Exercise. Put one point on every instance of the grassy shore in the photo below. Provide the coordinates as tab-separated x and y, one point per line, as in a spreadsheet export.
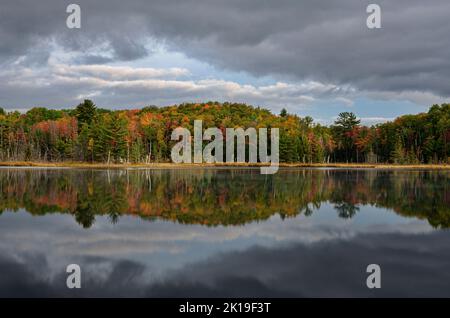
239	165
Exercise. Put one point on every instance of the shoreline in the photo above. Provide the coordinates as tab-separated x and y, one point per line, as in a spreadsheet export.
217	165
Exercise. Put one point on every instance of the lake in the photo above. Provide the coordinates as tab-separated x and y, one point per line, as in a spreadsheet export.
224	232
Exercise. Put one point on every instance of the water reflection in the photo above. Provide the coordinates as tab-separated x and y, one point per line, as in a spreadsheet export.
224	232
223	197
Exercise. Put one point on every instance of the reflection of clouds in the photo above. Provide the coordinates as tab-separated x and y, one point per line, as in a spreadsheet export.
166	244
132	235
411	264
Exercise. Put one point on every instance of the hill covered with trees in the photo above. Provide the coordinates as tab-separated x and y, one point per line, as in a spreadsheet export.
90	134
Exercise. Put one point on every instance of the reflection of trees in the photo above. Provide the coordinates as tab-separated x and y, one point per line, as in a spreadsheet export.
346	210
84	214
223	197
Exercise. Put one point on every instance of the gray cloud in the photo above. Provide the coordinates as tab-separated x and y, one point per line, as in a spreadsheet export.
325	41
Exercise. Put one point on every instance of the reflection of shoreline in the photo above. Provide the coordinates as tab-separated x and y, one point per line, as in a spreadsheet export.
214	165
226	196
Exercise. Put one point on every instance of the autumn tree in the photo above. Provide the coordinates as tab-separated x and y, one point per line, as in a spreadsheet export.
88	133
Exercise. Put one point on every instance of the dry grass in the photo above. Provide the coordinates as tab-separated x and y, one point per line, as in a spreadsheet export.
173	165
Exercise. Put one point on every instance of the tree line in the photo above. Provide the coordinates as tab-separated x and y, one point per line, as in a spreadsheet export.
91	134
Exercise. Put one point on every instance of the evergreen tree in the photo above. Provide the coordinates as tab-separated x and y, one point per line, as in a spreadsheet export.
85	112
343	129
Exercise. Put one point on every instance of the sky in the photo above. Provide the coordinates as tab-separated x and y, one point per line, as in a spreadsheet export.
315	58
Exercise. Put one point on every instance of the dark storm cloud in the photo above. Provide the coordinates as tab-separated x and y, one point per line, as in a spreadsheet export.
411	265
322	40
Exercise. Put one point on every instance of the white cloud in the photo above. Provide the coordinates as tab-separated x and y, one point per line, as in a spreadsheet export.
375	120
63	85
117	72
114	86
364	120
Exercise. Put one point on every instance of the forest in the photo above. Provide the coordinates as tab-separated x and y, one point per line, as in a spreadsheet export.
87	133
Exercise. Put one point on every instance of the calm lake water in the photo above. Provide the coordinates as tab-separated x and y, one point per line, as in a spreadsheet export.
224	232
